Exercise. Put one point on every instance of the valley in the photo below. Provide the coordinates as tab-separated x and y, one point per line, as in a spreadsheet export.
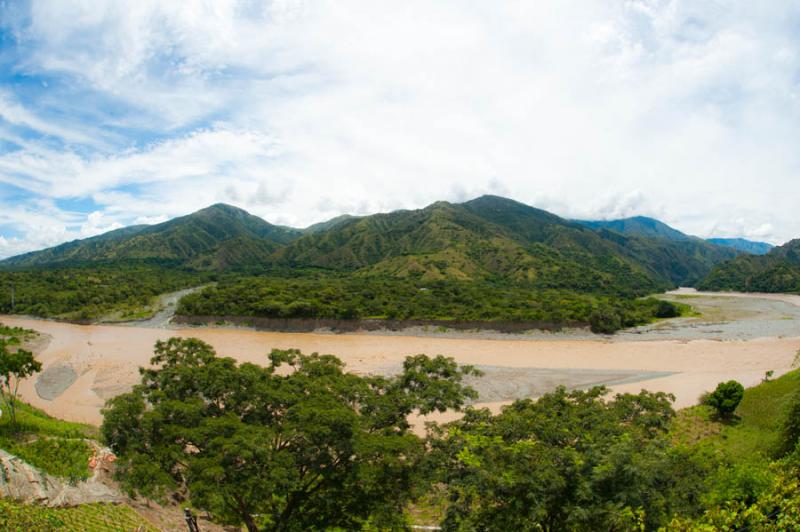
736	337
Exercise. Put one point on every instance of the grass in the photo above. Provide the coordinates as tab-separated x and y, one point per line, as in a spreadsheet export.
753	436
83	518
56	447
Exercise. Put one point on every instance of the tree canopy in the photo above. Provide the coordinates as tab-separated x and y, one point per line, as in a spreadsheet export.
298	444
568	461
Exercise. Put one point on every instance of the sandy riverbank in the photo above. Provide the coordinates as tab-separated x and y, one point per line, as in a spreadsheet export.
100	361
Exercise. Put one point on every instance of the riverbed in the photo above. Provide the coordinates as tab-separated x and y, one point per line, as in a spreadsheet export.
734	337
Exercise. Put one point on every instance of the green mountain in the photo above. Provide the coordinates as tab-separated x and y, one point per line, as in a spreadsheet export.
484	239
777	271
745	246
216	237
493	237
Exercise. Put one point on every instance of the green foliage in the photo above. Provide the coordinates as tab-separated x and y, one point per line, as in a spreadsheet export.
777	271
775	508
19	517
296	445
56	447
65	458
490	259
92	291
349	297
725	398
15	365
790	435
568	461
98	517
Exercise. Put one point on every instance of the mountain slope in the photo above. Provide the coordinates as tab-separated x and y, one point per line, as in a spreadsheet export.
493	237
683	258
639	226
216	236
488	238
745	246
777	271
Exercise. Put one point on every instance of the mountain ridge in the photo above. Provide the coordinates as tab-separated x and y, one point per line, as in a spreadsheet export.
484	238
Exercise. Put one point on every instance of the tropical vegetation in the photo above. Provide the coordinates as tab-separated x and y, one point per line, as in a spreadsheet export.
489	259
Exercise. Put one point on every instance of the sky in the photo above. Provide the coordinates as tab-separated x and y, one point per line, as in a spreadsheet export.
115	113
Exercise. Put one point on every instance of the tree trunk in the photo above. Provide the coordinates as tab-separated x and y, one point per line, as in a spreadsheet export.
249	523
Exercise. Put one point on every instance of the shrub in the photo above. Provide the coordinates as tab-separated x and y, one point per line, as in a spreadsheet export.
667	309
791	427
605	320
726	398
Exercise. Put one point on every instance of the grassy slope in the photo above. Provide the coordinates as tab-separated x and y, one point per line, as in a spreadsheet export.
56	447
753	436
84	518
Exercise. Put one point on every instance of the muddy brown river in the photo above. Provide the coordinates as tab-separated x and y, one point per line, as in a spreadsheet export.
86	365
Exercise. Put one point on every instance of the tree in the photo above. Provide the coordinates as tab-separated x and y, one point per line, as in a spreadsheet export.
297	445
605	320
726	398
14	367
568	461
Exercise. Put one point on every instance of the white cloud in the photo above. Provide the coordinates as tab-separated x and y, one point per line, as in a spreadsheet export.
295	110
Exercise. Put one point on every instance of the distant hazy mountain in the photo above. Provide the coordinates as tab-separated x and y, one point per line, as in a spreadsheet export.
640	226
328	224
746	246
777	271
486	238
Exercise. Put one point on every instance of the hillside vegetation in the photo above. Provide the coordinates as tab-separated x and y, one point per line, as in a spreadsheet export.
777	271
571	460
489	259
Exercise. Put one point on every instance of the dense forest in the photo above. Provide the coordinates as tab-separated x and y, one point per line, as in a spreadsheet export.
335	451
90	292
350	297
777	271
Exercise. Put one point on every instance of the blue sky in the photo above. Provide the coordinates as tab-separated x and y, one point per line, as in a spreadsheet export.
114	113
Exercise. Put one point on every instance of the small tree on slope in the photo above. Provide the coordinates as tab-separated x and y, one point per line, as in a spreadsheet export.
726	398
13	368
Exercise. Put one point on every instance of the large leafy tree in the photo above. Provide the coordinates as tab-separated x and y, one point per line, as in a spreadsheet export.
298	444
568	461
14	367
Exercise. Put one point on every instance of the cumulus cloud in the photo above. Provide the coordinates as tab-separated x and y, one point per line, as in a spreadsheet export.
301	110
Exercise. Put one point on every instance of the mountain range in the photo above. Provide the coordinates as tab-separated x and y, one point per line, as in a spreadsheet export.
485	238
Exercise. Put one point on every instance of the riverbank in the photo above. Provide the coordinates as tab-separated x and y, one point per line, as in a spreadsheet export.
100	361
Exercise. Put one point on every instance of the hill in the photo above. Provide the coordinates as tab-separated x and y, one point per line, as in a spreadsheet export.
777	271
216	237
492	237
493	259
488	237
745	246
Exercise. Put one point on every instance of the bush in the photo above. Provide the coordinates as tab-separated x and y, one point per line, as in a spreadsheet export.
667	309
791	427
726	398
605	320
